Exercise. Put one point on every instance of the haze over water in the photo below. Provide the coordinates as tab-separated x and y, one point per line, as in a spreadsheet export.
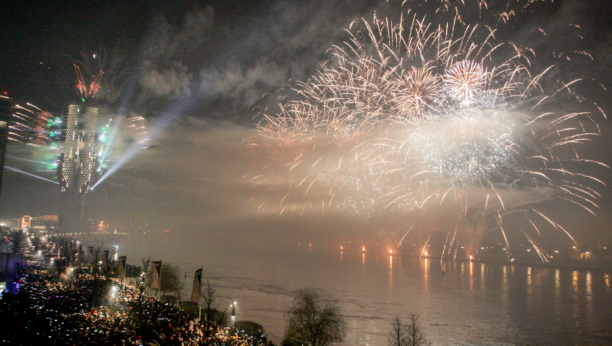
472	304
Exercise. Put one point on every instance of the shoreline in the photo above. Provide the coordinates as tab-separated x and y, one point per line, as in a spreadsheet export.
485	261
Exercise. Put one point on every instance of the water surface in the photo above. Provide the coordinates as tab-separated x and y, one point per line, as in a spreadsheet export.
471	304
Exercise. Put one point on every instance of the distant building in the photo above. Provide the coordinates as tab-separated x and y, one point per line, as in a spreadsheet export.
5	115
41	225
103	227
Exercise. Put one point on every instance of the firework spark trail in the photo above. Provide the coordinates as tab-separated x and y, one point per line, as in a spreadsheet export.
404	114
87	91
405	234
30	124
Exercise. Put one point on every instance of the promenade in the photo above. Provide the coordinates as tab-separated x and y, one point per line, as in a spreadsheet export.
85	309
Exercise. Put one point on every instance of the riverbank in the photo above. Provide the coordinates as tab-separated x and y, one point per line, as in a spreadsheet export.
79	308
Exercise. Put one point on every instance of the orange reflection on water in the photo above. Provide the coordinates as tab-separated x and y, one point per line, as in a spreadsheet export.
390	275
589	288
482	276
575	280
505	276
426	274
557	283
471	276
529	279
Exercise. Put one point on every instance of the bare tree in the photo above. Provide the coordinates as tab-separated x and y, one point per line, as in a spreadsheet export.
95	267
316	319
410	334
143	281
416	336
171	280
397	334
212	316
178	289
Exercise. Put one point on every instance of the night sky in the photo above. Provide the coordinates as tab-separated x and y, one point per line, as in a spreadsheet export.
206	66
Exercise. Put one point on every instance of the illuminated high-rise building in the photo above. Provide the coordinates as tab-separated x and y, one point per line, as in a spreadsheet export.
5	115
78	157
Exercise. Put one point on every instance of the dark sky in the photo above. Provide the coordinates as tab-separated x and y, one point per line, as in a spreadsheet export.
210	42
210	63
224	54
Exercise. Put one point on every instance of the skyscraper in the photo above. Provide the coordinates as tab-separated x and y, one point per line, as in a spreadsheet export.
78	158
5	115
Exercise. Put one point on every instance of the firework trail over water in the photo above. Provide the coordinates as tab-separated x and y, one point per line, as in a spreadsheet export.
417	117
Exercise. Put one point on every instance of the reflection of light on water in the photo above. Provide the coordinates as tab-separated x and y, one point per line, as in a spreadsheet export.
529	279
589	293
589	290
482	276
363	259
557	283
607	280
471	276
390	275
575	280
530	287
426	274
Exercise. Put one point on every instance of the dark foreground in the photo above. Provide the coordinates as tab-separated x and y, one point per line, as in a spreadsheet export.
85	309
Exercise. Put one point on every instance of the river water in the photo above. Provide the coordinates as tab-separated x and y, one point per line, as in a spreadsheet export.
471	304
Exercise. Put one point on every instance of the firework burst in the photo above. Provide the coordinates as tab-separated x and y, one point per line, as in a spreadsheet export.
412	117
465	80
87	91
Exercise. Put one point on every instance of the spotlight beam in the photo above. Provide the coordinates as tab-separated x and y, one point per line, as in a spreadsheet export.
29	174
157	128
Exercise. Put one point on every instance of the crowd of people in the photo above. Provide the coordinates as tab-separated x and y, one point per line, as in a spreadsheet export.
86	309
